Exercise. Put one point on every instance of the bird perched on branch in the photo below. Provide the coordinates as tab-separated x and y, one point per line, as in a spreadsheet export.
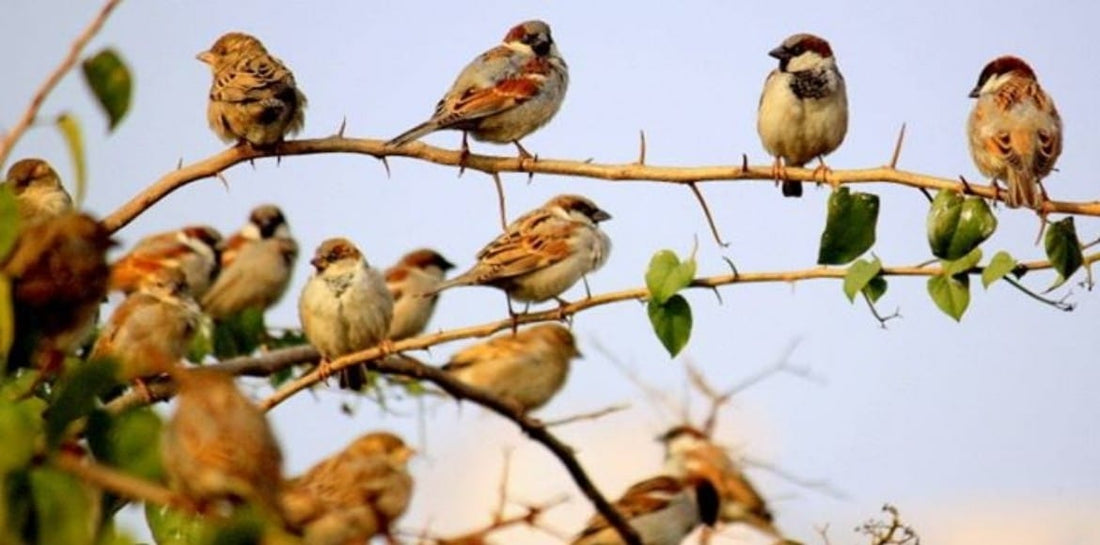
505	93
256	265
353	495
344	307
417	272
543	253
38	192
1014	130
193	250
803	113
663	510
253	97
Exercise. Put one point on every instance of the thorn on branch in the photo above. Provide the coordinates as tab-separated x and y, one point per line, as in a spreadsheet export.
967	190
744	163
641	149
221	178
386	165
897	148
179	164
343	125
733	268
706	211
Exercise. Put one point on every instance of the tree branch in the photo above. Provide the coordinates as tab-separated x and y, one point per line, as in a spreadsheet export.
112	480
21	126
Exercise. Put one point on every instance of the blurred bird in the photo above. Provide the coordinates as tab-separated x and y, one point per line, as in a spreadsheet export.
1014	131
543	253
528	367
39	194
417	272
149	332
256	265
353	495
218	447
59	273
193	250
663	510
345	306
253	97
803	111
505	93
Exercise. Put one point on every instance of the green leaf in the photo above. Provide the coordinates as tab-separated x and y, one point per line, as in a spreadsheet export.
849	228
875	289
1063	249
9	220
951	294
963	264
859	275
173	527
20	426
127	441
240	334
957	224
667	275
65	508
76	394
112	536
671	322
1001	264
7	320
110	82
74	140
15	507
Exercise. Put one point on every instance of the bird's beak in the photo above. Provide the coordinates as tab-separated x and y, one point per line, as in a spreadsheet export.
317	263
206	57
974	93
780	53
446	265
600	215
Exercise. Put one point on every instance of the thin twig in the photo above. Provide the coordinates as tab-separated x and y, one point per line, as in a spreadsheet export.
500	201
112	480
592	415
710	218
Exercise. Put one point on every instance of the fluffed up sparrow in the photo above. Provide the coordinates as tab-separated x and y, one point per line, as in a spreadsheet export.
543	253
253	97
505	93
1014	130
39	194
218	447
256	265
663	510
528	367
193	250
803	111
353	495
345	306
417	272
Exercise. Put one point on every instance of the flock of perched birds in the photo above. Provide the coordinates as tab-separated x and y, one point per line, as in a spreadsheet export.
218	447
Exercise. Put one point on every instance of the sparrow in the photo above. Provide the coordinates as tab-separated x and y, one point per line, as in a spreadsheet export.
417	272
58	271
256	265
527	368
193	250
662	510
689	453
39	194
218	447
505	93
344	307
803	112
148	334
543	253
1014	130
253	97
353	495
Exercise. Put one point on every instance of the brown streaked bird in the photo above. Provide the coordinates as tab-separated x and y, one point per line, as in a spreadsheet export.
353	495
663	510
1014	130
193	250
527	368
39	194
256	265
59	274
417	272
218	448
253	97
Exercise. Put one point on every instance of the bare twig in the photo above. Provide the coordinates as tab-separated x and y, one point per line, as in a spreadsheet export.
500	201
106	478
822	486
893	532
592	415
29	115
706	212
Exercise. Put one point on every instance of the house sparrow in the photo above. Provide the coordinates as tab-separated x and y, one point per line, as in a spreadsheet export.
543	253
253	97
149	332
505	93
1015	132
218	446
662	510
353	495
192	249
345	306
417	272
803	111
528	367
690	453
58	270
39	194
256	265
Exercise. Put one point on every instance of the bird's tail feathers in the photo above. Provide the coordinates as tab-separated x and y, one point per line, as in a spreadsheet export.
414	133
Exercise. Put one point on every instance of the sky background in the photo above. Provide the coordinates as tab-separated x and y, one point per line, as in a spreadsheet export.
980	431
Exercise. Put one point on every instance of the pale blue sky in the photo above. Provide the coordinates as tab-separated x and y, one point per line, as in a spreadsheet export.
985	426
